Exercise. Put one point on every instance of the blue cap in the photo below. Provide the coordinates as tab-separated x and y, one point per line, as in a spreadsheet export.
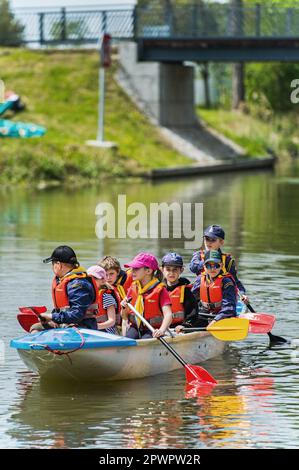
172	259
214	231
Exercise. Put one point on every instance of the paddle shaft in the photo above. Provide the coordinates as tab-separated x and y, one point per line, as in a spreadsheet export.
162	340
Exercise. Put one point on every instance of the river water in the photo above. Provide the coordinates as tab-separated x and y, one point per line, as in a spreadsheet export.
256	402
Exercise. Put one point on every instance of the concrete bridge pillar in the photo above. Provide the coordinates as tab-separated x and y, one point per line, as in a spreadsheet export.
164	91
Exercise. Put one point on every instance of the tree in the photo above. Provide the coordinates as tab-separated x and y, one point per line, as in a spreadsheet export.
11	30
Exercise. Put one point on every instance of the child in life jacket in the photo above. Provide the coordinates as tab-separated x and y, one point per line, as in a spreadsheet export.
213	239
149	296
106	299
183	303
118	278
217	292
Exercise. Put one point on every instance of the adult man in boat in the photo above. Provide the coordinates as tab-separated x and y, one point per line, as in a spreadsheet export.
217	292
74	293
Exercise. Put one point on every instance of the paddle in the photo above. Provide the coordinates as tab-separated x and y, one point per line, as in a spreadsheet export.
229	329
258	323
193	373
273	338
29	316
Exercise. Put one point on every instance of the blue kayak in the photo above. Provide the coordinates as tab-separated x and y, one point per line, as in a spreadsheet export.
93	356
64	339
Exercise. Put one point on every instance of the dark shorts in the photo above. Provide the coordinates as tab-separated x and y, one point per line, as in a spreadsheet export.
133	333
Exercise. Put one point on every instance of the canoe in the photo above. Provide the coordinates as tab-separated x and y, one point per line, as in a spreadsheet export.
107	357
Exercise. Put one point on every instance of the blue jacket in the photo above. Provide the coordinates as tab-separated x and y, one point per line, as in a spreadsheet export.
197	265
81	295
229	299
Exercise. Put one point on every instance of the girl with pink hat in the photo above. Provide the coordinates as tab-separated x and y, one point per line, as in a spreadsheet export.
149	296
108	303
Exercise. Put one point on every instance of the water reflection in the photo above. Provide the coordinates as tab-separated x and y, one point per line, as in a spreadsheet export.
153	413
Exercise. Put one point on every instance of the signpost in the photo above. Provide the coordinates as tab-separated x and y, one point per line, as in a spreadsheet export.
105	62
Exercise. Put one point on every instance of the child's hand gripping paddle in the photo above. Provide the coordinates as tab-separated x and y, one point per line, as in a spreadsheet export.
29	316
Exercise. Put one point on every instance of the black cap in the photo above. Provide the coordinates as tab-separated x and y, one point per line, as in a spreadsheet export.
214	231
64	254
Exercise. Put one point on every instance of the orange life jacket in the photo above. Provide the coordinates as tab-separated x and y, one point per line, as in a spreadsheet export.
151	301
123	283
60	295
177	297
211	292
102	312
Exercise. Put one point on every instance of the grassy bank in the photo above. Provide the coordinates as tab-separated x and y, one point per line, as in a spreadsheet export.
255	132
60	90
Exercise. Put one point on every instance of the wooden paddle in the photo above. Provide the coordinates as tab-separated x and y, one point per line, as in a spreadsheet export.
273	338
29	316
193	373
229	329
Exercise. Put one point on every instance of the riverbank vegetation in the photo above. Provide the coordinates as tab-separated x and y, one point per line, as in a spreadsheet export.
60	90
268	118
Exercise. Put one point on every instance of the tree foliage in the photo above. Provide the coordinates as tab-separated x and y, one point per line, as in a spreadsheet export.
11	30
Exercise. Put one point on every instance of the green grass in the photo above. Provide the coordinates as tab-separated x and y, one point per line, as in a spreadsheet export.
256	132
60	90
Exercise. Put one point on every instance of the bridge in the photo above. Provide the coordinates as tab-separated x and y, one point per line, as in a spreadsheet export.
157	43
194	32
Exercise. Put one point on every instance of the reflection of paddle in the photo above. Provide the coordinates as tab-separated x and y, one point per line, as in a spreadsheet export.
230	329
193	373
273	338
30	315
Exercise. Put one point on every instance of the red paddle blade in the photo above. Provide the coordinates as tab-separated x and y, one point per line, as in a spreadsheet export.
198	390
198	374
30	310
259	323
26	320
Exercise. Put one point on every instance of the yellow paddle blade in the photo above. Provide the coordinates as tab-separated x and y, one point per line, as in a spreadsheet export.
230	329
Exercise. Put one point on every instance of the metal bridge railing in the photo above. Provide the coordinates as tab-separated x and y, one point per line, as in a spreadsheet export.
158	20
75	26
215	20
